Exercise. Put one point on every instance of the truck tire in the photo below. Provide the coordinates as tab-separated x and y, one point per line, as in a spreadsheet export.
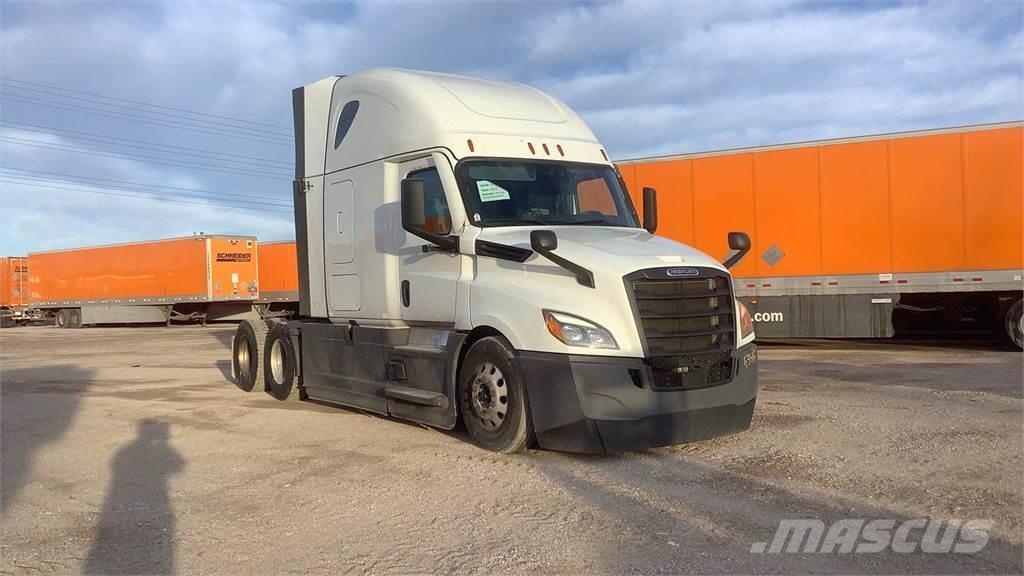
279	362
1015	323
63	318
492	397
74	318
246	354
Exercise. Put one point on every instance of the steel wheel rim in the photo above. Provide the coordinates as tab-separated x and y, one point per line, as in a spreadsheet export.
277	361
243	358
488	396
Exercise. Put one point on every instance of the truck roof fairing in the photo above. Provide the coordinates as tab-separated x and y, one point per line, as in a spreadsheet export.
401	111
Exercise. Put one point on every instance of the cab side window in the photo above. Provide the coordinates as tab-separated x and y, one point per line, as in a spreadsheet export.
439	219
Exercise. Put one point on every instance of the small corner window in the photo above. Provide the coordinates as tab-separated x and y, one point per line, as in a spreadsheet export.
348	114
439	218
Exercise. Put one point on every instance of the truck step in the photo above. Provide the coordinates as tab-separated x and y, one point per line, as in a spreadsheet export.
419	350
417	396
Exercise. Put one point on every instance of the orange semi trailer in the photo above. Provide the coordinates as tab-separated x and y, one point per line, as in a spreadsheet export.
279	279
193	278
14	306
847	234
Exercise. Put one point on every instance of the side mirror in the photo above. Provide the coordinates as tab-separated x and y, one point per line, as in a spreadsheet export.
543	241
739	245
414	216
650	210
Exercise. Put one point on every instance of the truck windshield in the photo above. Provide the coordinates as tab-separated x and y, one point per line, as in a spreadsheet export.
524	193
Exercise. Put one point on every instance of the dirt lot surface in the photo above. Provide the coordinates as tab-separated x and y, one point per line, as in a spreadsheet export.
127	450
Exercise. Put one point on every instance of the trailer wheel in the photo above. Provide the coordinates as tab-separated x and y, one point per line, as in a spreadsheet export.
63	318
74	318
1015	323
246	353
279	362
492	397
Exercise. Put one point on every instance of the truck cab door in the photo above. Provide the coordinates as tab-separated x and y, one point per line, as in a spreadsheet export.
428	280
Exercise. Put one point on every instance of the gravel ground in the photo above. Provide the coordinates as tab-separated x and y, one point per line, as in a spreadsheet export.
126	450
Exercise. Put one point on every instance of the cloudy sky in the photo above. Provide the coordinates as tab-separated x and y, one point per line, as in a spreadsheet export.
106	105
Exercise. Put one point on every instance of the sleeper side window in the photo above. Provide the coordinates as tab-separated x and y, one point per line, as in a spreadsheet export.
439	219
348	114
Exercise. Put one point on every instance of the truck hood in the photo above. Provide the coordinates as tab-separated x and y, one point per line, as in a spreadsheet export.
610	249
510	297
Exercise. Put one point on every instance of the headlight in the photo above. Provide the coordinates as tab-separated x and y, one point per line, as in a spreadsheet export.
746	321
575	331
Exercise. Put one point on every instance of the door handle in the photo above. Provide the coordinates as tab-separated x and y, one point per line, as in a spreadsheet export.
405	293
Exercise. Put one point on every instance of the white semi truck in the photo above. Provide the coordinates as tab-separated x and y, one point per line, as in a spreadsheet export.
466	250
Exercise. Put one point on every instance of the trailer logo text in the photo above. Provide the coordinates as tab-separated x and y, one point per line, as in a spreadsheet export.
856	535
234	256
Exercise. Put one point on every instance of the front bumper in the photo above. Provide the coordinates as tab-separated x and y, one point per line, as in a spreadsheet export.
595	404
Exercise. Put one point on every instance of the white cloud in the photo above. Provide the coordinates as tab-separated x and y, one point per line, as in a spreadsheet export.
650	77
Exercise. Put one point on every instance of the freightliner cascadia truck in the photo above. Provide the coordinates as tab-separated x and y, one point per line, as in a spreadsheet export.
861	237
466	250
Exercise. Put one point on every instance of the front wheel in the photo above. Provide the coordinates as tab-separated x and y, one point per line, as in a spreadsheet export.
492	398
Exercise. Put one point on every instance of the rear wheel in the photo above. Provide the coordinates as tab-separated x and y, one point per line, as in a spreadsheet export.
75	318
63	318
1015	323
492	397
279	362
246	353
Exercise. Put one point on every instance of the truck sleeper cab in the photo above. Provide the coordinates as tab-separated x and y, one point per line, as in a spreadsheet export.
467	250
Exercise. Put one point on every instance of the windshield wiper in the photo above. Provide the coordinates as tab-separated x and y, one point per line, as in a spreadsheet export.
585	221
516	221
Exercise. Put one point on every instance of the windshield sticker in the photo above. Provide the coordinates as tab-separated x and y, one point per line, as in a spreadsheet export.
491	192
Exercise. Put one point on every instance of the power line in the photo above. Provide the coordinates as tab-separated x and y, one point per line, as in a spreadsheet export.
142	119
143	197
63	176
148	159
120	115
170	116
93	94
28	127
159	194
245	164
